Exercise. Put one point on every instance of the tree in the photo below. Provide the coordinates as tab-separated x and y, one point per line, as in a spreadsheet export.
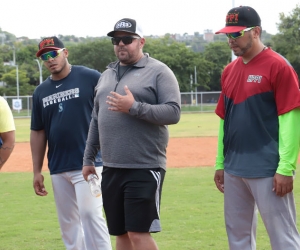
266	38
11	84
25	58
6	53
2	70
182	60
219	54
182	57
286	42
96	54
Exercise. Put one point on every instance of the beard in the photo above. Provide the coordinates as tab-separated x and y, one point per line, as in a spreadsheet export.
245	48
127	56
124	56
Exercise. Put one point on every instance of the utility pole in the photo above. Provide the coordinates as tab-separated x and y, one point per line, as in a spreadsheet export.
3	37
191	77
196	98
17	103
17	70
40	69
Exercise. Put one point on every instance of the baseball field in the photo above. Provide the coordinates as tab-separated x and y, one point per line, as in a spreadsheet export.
191	209
192	143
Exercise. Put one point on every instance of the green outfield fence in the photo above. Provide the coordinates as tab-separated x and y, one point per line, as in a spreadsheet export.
190	102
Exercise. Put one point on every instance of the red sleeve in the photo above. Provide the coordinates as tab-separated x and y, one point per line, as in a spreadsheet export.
220	109
286	89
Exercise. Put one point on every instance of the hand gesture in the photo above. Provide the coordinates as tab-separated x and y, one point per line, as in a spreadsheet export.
119	102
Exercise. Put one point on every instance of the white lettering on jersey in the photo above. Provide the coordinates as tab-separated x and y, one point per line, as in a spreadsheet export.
60	97
254	78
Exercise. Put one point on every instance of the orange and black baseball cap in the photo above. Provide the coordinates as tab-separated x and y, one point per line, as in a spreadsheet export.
240	18
49	43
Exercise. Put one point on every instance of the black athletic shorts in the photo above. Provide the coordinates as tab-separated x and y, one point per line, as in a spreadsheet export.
131	199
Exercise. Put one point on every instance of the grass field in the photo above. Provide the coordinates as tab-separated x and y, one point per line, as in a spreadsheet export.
190	125
191	214
191	209
207	107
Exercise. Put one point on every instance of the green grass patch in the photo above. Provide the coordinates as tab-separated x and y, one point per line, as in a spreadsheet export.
199	108
190	125
22	129
195	125
21	113
28	221
191	213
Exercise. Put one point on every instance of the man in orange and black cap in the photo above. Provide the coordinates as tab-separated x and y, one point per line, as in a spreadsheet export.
61	114
258	142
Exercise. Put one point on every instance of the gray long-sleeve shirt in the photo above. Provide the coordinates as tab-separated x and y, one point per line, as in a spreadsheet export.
138	139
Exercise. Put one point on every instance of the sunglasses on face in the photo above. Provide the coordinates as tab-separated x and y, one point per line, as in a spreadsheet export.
125	39
238	34
51	54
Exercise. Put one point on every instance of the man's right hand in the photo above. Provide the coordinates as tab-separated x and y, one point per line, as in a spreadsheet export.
87	170
219	180
38	185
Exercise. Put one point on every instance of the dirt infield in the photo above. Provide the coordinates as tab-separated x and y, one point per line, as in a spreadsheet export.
181	152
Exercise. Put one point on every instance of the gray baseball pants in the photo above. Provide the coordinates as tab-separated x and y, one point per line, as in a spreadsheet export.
242	198
80	217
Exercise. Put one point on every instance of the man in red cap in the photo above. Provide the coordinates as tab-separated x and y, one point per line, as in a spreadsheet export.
61	114
258	142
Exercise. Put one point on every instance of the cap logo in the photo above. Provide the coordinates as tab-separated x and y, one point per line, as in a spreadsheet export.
232	18
46	42
123	24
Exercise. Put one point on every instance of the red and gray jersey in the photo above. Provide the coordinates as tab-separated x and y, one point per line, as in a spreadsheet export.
253	96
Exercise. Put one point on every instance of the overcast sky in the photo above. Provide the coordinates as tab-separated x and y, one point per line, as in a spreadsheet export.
40	18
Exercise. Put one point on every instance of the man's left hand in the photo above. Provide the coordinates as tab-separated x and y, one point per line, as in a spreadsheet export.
282	184
119	102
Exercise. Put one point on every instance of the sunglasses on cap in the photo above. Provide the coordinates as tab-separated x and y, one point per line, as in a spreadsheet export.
51	54
125	39
238	34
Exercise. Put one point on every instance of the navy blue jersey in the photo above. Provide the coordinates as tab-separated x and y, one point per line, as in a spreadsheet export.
63	109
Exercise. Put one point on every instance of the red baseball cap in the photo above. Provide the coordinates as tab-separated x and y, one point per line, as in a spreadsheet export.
240	18
49	43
